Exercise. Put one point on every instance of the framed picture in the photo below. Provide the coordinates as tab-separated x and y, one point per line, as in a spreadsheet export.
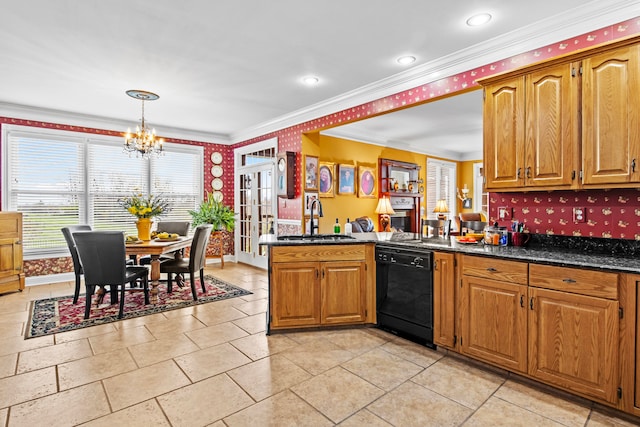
346	179
309	196
467	203
311	173
366	182
327	178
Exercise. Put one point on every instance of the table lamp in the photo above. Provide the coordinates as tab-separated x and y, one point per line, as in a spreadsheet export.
384	209
441	209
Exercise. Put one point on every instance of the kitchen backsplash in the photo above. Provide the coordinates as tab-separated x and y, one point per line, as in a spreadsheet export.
607	213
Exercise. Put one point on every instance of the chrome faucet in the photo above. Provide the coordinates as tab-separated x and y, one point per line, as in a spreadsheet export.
311	221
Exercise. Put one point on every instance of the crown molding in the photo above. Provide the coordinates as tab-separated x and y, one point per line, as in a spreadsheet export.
588	17
25	112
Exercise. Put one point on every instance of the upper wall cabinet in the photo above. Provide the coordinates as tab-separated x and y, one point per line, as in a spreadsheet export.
565	125
611	117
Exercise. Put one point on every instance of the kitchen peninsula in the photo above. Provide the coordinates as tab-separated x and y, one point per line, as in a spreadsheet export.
564	317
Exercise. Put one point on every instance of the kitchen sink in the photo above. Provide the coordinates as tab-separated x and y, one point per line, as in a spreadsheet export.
315	237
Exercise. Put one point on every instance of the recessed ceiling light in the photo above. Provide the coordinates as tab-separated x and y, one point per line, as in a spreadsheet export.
310	80
406	60
479	19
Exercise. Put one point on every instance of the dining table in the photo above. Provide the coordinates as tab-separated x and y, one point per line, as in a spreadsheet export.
154	248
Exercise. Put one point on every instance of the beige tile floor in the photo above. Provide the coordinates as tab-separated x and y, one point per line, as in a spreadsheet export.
213	365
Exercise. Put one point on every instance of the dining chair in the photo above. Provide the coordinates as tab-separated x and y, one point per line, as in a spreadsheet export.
102	255
77	267
472	226
180	228
196	261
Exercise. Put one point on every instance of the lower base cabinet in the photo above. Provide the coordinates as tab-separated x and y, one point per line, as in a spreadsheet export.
573	342
495	322
557	325
318	293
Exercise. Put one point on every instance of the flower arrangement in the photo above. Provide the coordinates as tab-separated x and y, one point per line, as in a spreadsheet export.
145	206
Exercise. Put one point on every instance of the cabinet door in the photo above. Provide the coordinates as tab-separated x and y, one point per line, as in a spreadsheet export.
552	136
573	342
611	117
10	257
504	134
343	292
494	323
295	294
444	301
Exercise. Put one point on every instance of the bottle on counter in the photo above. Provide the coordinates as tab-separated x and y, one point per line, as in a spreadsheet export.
348	228
336	227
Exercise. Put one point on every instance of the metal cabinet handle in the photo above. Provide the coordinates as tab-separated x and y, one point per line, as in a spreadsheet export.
528	173
531	303
522	301
519	172
633	165
435	265
568	281
491	270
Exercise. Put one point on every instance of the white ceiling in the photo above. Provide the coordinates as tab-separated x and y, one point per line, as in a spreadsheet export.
228	70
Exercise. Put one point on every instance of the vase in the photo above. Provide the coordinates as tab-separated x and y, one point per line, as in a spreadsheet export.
144	228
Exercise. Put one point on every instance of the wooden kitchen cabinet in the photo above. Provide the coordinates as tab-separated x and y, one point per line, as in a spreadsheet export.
570	123
573	342
494	315
296	300
444	298
11	273
343	292
530	129
611	117
320	285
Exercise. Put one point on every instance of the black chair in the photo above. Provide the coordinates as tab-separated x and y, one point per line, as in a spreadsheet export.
102	255
437	225
77	267
178	227
196	261
472	226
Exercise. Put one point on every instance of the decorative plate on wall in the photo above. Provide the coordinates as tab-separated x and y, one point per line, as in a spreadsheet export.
216	157
217	196
216	184
216	171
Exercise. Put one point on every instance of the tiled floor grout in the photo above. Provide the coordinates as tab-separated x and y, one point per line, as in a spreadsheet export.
243	377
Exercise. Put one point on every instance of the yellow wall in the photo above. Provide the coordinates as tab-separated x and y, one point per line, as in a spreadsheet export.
343	151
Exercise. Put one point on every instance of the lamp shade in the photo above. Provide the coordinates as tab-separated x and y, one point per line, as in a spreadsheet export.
441	206
384	207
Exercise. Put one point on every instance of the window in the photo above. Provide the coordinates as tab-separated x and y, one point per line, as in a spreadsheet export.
58	178
441	184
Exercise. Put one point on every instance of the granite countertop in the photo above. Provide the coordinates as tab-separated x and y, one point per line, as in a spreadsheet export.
541	252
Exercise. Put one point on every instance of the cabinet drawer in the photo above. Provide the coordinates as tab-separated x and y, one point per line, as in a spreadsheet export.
496	269
584	282
318	253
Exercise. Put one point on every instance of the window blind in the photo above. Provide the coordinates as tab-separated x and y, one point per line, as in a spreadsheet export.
441	184
58	178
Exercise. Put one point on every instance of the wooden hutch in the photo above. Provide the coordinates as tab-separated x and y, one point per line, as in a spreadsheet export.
400	182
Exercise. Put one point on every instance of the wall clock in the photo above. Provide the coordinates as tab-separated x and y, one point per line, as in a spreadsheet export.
216	157
216	184
216	171
285	174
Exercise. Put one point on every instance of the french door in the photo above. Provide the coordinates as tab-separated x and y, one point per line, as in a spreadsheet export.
256	208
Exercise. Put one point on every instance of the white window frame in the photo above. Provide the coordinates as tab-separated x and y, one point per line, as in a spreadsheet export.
450	195
60	249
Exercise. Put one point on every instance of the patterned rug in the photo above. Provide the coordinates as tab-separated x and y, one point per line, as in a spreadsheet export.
54	315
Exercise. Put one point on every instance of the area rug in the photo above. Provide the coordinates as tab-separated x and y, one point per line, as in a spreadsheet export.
54	315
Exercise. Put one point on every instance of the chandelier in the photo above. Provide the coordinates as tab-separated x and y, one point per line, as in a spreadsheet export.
143	142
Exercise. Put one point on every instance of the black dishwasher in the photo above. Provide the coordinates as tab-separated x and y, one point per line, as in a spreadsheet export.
404	292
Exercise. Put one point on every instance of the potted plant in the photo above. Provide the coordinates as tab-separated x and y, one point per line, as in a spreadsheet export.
214	212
